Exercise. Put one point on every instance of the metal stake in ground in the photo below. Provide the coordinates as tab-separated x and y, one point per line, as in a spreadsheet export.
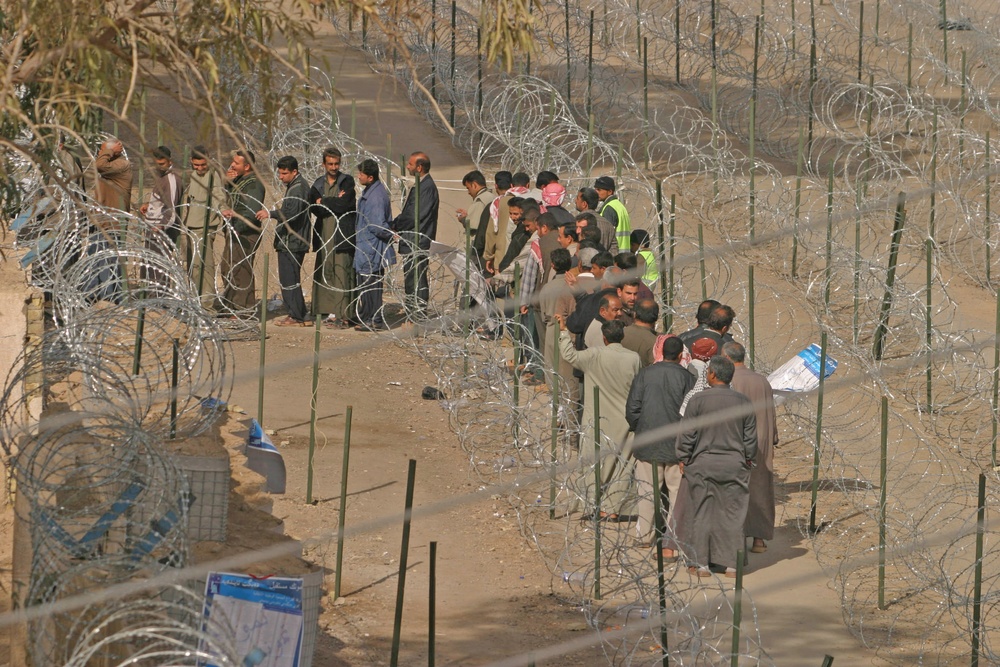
661	584
737	610
173	389
312	411
403	553
977	592
662	252
553	454
342	518
881	502
597	492
432	604
137	351
819	433
263	345
890	279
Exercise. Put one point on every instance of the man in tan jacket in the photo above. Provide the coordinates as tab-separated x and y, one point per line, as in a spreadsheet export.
114	176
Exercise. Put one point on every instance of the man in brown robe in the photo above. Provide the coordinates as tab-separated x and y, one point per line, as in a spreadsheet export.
716	451
760	513
114	176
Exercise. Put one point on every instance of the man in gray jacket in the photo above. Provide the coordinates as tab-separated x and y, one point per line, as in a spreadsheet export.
716	450
291	240
654	402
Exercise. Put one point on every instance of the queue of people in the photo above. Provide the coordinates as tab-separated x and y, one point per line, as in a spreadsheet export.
583	285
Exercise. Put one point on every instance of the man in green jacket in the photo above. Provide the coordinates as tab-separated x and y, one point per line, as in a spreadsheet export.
245	194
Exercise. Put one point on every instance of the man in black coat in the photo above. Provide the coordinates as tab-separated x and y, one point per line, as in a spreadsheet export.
416	226
654	401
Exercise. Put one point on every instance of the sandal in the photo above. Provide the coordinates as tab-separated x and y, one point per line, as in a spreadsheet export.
290	322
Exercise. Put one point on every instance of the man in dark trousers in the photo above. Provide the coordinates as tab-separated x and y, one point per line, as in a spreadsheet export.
716	450
334	203
416	226
654	401
291	240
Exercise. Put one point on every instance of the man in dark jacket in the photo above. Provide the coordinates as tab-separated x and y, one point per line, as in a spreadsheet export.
654	401
416	226
291	240
334	203
245	193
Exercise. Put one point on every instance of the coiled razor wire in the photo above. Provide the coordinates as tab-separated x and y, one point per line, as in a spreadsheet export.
824	242
880	133
131	361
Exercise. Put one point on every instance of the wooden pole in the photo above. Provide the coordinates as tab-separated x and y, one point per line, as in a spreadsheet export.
342	515
404	551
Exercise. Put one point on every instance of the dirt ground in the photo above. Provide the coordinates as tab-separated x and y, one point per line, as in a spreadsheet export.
495	595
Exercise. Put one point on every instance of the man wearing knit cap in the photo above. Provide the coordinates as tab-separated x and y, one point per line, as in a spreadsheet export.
614	210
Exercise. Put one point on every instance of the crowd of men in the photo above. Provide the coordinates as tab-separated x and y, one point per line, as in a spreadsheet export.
351	234
677	418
